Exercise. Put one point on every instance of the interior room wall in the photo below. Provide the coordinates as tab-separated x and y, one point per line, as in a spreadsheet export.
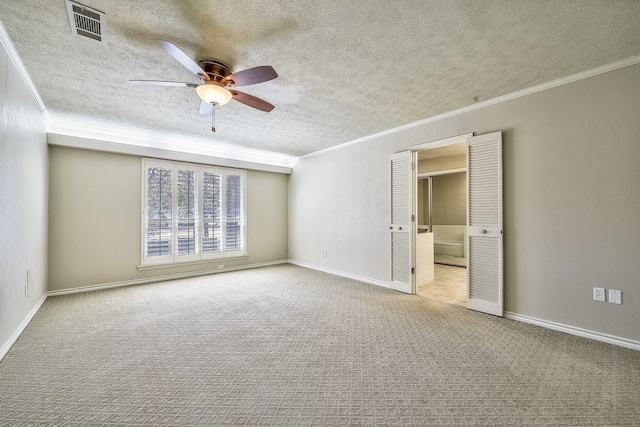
565	231
23	202
450	199
423	202
95	220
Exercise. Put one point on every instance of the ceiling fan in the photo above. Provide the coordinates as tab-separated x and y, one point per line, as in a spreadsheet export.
217	82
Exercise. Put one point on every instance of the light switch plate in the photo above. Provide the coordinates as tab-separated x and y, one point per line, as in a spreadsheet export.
615	297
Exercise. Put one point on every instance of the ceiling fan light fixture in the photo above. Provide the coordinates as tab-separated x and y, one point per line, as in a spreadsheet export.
213	94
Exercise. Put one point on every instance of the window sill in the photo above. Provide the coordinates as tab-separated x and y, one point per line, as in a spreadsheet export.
187	263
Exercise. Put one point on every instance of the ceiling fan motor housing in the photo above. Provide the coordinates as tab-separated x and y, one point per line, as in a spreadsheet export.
216	70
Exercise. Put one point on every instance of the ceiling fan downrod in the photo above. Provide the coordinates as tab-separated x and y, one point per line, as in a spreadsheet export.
213	117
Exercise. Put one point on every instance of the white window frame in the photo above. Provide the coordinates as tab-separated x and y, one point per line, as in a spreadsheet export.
199	255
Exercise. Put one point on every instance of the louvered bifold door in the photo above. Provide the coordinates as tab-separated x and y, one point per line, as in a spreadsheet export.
484	223
401	206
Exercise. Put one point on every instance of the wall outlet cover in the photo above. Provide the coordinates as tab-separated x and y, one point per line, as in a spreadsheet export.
615	297
598	294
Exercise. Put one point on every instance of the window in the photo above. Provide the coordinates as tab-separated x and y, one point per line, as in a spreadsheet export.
192	212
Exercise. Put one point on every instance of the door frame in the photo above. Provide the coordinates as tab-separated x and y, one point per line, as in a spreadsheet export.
487	231
414	192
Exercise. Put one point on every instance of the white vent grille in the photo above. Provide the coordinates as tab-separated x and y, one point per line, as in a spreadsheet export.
87	22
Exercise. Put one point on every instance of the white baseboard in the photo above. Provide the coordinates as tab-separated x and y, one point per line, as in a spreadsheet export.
7	346
585	333
161	278
342	274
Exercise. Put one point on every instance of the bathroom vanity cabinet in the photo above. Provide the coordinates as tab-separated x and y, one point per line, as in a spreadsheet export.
424	258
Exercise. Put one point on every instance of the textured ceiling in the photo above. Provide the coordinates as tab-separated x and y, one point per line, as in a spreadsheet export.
347	69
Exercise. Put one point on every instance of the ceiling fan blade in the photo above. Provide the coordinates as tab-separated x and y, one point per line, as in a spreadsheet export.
205	108
183	58
162	83
251	76
251	101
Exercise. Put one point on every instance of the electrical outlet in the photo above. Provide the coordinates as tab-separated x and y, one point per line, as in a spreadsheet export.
323	254
221	267
29	281
598	294
615	297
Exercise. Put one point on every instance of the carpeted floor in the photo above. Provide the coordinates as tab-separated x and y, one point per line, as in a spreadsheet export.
285	346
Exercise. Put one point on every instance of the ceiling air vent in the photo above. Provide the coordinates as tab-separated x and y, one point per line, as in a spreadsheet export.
87	22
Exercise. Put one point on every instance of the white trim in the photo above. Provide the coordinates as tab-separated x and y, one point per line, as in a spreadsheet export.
441	172
22	71
342	274
187	263
441	142
482	104
572	330
13	338
161	278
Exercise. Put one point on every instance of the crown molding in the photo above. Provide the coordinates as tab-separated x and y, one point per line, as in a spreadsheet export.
22	71
489	102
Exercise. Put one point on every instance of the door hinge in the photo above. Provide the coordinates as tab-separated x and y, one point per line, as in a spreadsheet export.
413	218
413	270
413	166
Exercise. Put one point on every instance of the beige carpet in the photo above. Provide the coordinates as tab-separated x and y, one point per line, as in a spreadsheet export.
288	346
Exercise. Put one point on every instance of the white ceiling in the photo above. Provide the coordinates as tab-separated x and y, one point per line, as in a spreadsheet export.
346	69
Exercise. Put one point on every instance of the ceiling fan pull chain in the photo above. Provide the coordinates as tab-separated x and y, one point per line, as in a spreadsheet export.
213	117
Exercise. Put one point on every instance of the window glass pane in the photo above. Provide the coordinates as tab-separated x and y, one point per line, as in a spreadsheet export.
234	226
211	213
187	211
183	222
158	212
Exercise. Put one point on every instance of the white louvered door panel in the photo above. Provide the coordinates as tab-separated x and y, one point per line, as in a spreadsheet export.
484	221
401	207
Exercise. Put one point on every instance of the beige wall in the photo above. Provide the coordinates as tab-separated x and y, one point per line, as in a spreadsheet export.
95	224
423	202
442	163
23	202
571	201
450	199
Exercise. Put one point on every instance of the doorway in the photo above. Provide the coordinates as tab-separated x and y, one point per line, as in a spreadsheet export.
484	235
441	210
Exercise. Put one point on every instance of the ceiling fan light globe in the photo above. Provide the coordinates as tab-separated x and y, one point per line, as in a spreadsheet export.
213	94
